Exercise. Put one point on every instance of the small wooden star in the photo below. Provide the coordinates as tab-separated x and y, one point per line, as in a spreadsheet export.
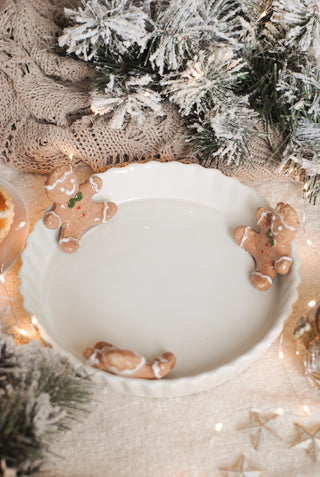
241	469
309	441
257	425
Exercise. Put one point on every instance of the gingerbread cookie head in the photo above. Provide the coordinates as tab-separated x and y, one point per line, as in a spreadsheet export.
62	185
284	223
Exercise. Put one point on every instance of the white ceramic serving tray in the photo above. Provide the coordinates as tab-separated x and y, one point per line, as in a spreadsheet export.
164	274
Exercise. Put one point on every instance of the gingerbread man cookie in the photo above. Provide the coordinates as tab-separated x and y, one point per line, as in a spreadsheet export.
122	362
270	247
74	210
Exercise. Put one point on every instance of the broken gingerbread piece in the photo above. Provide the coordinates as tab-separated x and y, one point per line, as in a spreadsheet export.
270	247
123	362
74	211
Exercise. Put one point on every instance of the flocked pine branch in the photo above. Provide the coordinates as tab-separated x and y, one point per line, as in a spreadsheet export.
115	24
303	150
40	394
226	132
186	27
205	81
299	88
132	97
301	22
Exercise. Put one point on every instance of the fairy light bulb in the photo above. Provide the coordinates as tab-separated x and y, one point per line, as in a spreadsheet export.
219	426
306	409
2	279
34	320
22	331
280	411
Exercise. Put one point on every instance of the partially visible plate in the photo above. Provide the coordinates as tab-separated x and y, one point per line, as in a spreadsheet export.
12	245
164	274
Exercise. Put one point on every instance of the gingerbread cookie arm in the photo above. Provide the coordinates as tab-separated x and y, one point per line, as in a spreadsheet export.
263	216
246	238
126	363
52	220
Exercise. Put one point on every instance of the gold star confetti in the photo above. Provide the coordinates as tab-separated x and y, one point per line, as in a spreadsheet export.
309	441
257	425
241	469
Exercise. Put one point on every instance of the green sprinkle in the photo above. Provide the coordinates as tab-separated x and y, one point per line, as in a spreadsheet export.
78	196
71	203
270	238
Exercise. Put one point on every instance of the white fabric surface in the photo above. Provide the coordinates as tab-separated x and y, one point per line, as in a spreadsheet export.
129	436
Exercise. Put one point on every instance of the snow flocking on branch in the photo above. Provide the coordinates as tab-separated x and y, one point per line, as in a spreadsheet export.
134	100
204	81
301	21
185	27
115	24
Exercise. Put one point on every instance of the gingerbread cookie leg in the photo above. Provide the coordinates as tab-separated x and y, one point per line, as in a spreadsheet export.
107	357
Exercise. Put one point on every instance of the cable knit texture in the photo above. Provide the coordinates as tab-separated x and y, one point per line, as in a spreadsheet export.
45	113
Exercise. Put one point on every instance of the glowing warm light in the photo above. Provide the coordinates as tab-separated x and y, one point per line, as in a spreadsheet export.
305	187
22	224
312	303
2	280
71	156
309	242
22	332
297	353
219	427
146	94
280	411
263	14
306	409
281	355
34	320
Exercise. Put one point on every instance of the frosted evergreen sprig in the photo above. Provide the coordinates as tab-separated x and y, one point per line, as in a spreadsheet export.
187	27
115	24
132	97
301	21
300	89
205	81
40	394
226	132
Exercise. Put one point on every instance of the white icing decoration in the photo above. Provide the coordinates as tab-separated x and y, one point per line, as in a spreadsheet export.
62	189
66	240
55	215
263	276
106	207
72	191
156	367
128	372
94	184
244	236
50	187
264	214
289	259
72	181
280	228
283	223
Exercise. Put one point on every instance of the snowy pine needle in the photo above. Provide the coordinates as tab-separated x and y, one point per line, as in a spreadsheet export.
40	394
205	81
133	98
301	21
115	24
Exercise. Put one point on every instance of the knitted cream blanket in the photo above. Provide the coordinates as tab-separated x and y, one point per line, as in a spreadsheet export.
45	114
